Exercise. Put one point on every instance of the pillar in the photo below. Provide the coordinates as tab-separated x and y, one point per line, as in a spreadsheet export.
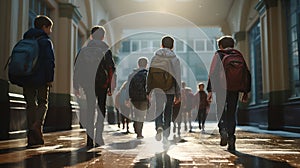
61	104
275	64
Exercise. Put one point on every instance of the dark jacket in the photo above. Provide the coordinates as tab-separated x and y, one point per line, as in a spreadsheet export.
202	97
44	71
105	78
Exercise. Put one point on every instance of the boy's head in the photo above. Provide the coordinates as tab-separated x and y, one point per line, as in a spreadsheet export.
98	32
183	84
167	42
225	42
142	62
43	22
201	86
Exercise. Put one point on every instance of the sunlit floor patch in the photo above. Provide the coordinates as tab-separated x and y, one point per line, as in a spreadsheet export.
220	161
69	138
254	139
48	148
276	152
67	149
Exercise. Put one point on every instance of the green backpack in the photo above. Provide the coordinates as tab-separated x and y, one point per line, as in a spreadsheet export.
160	79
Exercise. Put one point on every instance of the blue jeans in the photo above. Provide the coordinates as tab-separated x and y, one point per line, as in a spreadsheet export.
164	112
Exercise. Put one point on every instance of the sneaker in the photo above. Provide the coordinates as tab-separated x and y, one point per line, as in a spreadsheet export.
224	137
139	136
35	136
166	143
159	133
89	141
231	144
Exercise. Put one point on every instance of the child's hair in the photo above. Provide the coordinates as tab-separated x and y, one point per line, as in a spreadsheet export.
142	62
42	20
98	32
201	84
226	41
167	42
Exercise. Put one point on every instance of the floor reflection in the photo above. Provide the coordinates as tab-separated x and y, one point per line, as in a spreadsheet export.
125	145
158	161
251	161
54	159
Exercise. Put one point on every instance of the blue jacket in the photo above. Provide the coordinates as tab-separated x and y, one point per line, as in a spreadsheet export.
44	71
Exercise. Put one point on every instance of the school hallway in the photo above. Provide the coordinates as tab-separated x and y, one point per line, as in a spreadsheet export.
255	148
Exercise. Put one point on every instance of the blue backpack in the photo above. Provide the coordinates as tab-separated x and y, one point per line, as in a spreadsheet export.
23	60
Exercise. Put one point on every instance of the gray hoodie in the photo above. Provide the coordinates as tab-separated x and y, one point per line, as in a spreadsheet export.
166	59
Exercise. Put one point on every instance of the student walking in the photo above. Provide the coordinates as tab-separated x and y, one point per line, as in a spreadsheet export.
235	78
94	60
138	95
203	107
121	102
187	110
36	86
165	77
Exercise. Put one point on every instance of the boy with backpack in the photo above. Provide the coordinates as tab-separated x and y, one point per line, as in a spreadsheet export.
94	69
164	78
37	77
235	78
138	95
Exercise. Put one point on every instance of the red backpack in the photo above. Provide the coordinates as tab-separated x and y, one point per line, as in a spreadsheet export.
237	74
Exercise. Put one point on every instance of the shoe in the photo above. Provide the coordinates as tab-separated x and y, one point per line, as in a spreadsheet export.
165	140
224	137
35	136
89	142
139	136
159	133
231	144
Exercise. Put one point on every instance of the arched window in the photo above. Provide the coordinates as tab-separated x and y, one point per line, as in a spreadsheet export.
37	7
293	31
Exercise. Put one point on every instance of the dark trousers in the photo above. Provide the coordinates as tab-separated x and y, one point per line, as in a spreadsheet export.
164	112
139	111
202	117
228	117
101	97
36	104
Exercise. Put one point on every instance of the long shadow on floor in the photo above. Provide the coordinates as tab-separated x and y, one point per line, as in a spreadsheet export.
254	161
10	150
55	159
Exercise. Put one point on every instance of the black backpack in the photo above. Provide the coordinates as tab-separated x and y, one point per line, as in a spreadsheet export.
137	86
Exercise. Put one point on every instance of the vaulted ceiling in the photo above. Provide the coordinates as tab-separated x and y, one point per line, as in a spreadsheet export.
200	12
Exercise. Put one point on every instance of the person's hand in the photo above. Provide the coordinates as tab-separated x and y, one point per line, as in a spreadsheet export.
49	84
127	103
149	97
109	92
76	92
245	98
177	100
209	97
